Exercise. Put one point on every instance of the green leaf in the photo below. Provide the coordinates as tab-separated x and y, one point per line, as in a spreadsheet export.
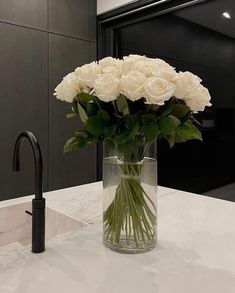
179	110
74	144
70	116
91	139
168	124
133	123
110	130
82	113
85	97
167	109
94	126
179	140
81	133
188	131
104	117
171	139
151	107
196	132
123	137
80	140
99	103
151	132
122	105
184	132
92	109
148	119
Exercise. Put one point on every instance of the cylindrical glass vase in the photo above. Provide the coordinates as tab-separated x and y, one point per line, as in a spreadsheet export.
130	201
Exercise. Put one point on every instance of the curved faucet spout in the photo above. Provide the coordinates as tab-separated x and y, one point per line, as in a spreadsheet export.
37	159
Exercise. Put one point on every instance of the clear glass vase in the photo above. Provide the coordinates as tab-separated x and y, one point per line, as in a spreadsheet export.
130	200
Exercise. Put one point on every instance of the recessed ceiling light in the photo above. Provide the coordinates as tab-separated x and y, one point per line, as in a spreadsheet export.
226	15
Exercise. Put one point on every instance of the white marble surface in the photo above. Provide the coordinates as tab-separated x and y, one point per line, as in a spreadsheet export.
195	253
16	225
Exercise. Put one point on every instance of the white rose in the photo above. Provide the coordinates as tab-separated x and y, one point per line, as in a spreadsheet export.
68	89
150	67
184	82
106	87
198	98
158	90
132	85
129	62
111	65
87	75
164	70
72	78
145	66
134	57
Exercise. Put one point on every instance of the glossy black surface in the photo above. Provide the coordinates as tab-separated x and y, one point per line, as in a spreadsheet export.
38	163
195	166
201	40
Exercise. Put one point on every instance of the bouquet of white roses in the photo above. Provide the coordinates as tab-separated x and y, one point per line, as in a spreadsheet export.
137	99
130	103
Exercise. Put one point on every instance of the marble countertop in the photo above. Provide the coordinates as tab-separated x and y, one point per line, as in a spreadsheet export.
195	252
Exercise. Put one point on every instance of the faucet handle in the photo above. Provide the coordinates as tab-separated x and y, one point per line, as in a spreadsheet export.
28	212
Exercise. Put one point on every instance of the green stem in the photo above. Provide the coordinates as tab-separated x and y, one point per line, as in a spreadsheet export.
131	213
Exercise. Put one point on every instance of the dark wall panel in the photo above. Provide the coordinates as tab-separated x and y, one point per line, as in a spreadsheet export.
33	59
25	12
73	18
75	168
23	103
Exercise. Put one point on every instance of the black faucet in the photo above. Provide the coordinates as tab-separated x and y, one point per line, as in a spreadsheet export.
38	203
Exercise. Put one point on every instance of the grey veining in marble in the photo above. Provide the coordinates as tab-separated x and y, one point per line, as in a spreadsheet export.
195	252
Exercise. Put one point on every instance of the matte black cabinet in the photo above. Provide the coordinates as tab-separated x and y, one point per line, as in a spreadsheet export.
25	12
41	41
67	169
75	18
23	103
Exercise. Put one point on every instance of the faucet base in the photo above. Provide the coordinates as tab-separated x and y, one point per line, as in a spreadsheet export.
38	225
